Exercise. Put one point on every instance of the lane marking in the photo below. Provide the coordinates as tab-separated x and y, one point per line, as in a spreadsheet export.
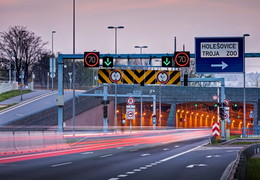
196	165
87	153
133	150
26	102
177	146
113	179
147	154
119	147
122	175
130	172
61	164
185	152
108	155
210	156
166	149
136	170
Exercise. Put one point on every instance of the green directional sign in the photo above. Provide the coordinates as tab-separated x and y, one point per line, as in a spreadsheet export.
107	61
167	61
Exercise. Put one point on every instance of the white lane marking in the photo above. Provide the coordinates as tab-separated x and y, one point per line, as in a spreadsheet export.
26	102
194	165
119	147
210	156
133	150
148	165
166	149
232	151
143	168
136	170
113	179
147	154
185	152
177	146
130	172
122	175
61	164
107	155
87	153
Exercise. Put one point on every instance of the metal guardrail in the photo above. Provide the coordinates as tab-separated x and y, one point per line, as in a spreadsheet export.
238	171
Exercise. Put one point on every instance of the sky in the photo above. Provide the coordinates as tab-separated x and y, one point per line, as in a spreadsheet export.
153	23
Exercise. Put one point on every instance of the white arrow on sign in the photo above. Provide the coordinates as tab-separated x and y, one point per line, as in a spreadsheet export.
222	65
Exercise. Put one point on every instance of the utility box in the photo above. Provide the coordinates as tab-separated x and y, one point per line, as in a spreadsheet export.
60	100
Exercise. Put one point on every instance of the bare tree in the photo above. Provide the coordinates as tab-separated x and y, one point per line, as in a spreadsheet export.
23	48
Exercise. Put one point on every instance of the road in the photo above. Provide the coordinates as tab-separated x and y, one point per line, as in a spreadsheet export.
179	155
31	106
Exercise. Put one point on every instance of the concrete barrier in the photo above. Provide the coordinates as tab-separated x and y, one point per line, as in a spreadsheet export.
7	143
22	141
36	141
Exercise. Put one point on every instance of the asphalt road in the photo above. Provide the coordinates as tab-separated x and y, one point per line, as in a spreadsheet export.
32	105
180	160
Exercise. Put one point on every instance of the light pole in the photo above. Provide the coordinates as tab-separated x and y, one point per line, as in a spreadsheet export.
115	27
244	89
52	67
141	48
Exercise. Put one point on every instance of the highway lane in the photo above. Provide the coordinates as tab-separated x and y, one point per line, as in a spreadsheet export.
31	106
185	159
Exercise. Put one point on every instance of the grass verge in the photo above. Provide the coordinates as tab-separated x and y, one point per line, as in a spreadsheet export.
13	93
253	169
2	108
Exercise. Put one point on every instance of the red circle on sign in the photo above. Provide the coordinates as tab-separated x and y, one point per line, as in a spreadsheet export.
96	59
130	113
182	53
159	78
130	101
115	73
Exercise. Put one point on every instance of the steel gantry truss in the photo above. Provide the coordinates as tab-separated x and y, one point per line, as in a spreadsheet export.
61	57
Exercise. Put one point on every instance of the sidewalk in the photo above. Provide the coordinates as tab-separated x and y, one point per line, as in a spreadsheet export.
17	99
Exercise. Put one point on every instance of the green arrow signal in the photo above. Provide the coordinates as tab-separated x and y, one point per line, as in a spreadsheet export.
167	62
107	62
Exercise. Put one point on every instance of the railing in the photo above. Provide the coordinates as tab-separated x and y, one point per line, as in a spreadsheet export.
238	171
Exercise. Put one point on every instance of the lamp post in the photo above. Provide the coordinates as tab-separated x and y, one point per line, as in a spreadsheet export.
141	48
52	66
244	89
115	27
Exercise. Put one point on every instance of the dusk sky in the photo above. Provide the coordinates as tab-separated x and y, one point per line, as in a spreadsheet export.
147	22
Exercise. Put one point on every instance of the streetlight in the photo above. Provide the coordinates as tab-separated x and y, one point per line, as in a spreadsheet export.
141	48
244	89
52	61
115	27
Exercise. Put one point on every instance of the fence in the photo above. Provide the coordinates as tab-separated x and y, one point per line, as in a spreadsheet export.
4	87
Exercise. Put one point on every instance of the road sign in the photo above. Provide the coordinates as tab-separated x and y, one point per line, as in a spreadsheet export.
130	111
91	59
215	129
219	54
167	61
130	101
108	61
162	77
182	59
52	65
226	102
215	97
115	76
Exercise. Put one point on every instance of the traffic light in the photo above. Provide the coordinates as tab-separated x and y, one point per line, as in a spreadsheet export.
185	82
105	111
91	59
222	113
108	61
196	105
167	61
235	107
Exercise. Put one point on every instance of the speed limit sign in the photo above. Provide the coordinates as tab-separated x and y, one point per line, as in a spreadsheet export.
182	59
